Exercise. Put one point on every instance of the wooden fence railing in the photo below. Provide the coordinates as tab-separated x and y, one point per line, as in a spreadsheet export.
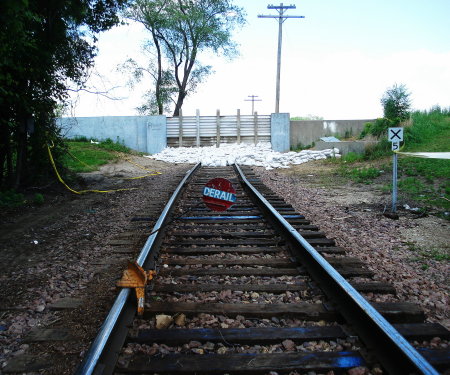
199	130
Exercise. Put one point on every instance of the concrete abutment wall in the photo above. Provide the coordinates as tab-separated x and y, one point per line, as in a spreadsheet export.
150	133
306	132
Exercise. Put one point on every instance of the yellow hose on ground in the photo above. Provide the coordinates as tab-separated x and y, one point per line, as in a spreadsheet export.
154	173
68	187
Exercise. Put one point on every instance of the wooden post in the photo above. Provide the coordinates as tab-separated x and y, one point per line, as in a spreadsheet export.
239	126
197	114
180	129
218	128
255	126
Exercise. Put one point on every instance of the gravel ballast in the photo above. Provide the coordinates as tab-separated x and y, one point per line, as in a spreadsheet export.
349	215
58	251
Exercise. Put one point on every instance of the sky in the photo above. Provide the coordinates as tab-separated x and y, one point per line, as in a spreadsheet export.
336	62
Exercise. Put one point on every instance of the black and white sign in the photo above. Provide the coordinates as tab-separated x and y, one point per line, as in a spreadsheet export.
395	135
395	146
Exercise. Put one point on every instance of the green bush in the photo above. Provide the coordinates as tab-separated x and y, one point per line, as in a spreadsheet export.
379	128
366	131
38	199
396	103
10	198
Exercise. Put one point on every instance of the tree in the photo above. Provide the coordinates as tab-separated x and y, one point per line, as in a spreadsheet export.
44	45
159	99
396	103
180	31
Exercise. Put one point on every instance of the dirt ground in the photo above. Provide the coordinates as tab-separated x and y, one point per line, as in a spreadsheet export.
62	249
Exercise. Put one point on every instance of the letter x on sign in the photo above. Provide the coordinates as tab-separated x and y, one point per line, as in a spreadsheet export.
395	134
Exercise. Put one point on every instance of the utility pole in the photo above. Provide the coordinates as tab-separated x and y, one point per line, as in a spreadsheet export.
281	18
253	100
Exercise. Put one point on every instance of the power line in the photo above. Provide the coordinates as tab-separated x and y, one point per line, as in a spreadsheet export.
253	100
281	18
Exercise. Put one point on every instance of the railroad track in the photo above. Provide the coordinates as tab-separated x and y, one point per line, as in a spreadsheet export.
256	289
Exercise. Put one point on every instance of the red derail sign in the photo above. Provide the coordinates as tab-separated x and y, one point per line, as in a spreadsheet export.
219	194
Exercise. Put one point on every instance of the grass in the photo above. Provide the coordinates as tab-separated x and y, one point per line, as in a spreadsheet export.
363	175
85	156
427	180
412	185
422	180
436	254
439	255
352	157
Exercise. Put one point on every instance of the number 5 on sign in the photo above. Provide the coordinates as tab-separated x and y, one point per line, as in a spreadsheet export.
395	146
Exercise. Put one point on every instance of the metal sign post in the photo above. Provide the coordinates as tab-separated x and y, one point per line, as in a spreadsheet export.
395	136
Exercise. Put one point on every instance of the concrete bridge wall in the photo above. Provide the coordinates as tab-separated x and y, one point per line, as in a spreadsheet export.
306	132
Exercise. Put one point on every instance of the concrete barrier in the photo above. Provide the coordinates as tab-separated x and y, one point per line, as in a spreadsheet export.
306	132
149	133
279	132
140	133
156	134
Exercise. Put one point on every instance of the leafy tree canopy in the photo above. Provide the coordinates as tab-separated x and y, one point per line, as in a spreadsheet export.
180	31
396	102
44	45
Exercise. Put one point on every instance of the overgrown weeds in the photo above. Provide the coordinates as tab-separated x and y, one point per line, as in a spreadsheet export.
301	147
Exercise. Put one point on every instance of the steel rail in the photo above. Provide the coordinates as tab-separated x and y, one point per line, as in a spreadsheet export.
90	361
393	351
